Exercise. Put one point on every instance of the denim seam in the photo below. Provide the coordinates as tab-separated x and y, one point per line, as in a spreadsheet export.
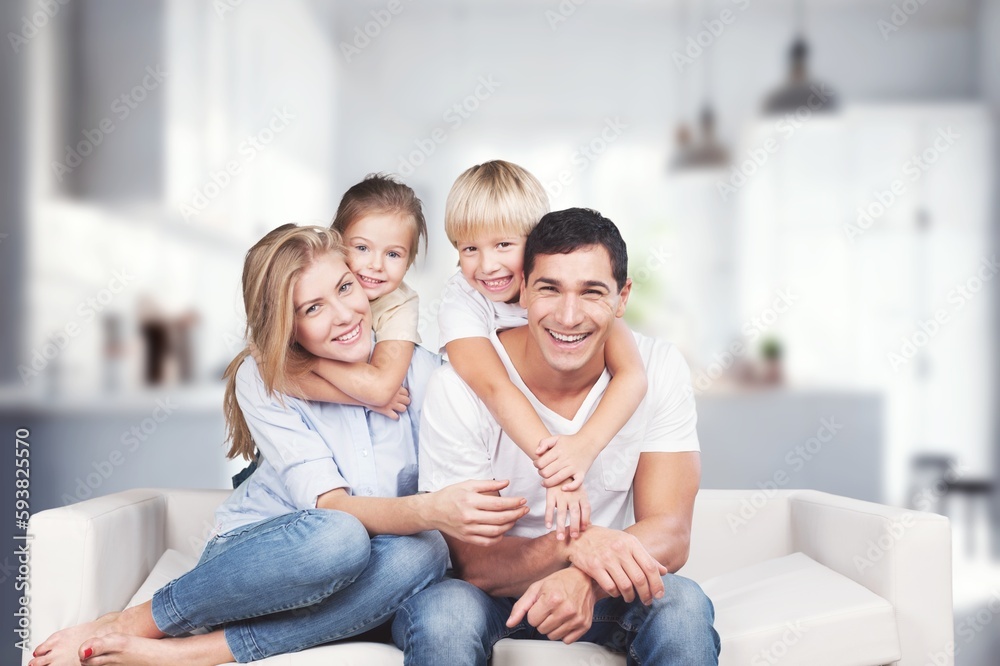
308	601
395	605
174	617
247	649
499	637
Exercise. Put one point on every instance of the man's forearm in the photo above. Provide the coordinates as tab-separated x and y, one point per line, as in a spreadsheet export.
665	538
507	568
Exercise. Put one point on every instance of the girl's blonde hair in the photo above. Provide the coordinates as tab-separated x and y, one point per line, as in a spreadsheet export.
381	193
270	272
494	197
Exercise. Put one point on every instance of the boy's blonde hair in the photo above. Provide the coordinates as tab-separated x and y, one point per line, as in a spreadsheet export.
270	271
494	196
381	193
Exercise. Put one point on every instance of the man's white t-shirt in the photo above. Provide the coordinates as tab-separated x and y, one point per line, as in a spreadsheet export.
465	313
460	440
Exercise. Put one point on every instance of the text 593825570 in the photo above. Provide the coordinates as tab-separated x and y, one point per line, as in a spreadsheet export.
22	511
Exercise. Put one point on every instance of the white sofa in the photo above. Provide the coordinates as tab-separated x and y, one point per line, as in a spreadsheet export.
796	576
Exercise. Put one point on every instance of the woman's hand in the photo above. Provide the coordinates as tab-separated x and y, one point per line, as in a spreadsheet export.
471	511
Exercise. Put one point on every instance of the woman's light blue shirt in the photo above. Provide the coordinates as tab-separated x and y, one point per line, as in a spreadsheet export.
308	448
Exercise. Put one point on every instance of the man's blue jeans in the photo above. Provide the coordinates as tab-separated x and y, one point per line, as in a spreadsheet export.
455	622
288	583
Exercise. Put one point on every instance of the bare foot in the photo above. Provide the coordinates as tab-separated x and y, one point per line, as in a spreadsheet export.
62	648
123	650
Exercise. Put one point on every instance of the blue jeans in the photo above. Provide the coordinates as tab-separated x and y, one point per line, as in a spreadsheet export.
288	583
455	622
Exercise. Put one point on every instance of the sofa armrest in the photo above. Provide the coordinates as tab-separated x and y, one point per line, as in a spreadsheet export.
89	558
901	555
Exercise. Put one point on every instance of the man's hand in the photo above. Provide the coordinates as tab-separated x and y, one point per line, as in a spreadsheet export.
561	605
565	460
558	503
471	512
619	563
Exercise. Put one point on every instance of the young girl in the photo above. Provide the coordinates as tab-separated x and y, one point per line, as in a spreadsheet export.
382	224
326	538
491	209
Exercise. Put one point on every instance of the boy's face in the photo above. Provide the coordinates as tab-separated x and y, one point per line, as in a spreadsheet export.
378	251
492	264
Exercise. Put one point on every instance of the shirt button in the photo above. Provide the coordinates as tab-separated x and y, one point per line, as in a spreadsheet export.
364	453
369	492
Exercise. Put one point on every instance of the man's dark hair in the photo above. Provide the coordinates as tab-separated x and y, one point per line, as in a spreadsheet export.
565	231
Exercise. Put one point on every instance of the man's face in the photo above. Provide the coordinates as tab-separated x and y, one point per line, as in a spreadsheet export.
572	302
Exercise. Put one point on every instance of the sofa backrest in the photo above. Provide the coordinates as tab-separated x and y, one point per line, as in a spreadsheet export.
190	518
732	529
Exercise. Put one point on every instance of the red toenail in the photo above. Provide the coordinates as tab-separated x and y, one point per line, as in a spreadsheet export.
87	653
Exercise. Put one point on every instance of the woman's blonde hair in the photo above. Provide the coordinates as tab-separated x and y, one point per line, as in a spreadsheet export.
381	193
494	196
270	272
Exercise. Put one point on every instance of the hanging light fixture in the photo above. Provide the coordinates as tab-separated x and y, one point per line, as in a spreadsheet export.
799	91
705	152
702	151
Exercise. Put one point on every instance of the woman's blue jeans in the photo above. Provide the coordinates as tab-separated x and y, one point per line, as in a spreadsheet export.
454	622
302	579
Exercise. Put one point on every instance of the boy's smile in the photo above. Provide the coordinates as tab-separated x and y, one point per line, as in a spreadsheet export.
492	265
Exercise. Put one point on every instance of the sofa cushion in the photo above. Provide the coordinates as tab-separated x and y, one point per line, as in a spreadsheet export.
170	565
793	606
788	606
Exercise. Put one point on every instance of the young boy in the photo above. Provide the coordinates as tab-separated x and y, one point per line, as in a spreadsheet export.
489	212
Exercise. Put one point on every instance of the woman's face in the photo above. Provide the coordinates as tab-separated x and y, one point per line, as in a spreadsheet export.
332	315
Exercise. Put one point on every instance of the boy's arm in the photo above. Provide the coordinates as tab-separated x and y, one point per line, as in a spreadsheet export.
478	364
573	455
375	383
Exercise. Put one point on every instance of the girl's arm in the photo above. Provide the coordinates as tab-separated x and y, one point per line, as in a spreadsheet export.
622	397
374	384
313	387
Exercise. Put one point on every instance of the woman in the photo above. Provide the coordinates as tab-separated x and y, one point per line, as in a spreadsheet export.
327	538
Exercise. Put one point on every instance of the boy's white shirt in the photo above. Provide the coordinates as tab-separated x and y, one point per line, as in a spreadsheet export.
466	313
460	440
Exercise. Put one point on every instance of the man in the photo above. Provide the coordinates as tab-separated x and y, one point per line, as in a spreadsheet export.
611	585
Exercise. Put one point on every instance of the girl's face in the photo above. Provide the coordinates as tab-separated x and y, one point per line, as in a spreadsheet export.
378	251
332	315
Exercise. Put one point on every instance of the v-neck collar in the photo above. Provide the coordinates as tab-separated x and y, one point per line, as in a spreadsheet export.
582	413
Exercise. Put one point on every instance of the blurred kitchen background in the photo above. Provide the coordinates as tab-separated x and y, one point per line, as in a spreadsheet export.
808	190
